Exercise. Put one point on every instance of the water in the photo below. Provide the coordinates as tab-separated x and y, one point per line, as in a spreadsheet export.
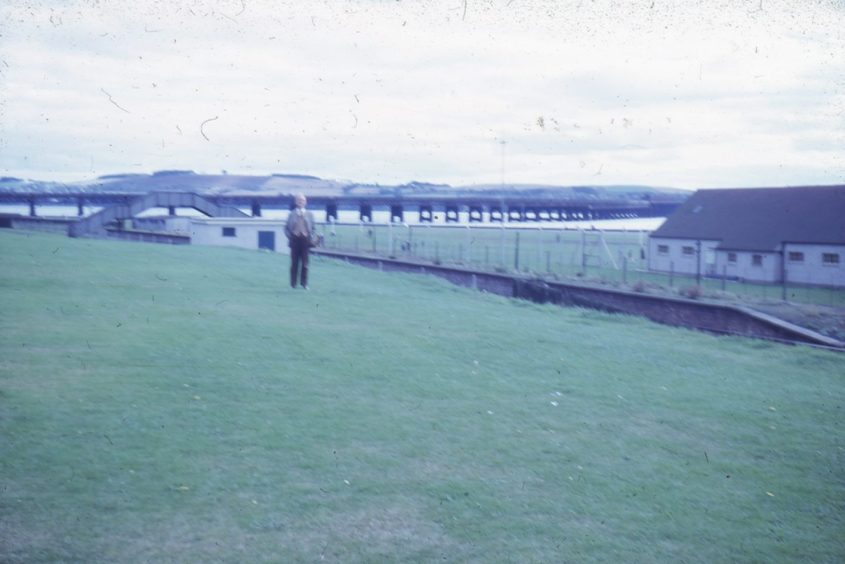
379	217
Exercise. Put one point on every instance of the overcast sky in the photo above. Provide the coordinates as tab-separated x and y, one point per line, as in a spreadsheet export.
662	92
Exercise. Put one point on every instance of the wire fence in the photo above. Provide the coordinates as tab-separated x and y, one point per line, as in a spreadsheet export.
617	258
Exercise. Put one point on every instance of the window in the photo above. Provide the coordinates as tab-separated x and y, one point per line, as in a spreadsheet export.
228	231
756	260
830	259
662	249
795	256
688	251
732	258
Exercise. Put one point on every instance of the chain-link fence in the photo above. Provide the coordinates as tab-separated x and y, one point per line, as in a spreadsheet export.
617	258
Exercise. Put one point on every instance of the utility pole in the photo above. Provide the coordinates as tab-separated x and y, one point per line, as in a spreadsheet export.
502	142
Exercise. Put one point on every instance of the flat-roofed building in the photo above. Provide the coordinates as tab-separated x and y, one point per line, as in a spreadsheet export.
244	232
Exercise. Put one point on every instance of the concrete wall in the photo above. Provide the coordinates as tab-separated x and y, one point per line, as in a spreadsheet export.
675	260
812	269
170	224
50	225
245	232
744	268
148	237
692	314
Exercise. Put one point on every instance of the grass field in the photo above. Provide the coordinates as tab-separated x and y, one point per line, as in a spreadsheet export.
180	404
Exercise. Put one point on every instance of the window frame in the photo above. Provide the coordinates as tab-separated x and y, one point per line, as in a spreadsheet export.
834	261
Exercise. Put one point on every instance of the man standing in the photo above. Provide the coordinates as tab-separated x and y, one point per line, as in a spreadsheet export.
299	230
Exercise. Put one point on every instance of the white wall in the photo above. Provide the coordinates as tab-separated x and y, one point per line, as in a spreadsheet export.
769	269
210	232
674	260
812	270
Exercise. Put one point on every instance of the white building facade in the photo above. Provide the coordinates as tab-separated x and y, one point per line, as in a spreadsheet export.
683	256
820	265
246	233
773	235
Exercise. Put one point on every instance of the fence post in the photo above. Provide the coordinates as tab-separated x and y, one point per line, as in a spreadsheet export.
502	243
516	253
625	270
783	273
671	273
469	244
540	245
583	252
698	263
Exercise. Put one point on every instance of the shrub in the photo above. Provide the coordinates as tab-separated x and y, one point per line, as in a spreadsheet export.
691	292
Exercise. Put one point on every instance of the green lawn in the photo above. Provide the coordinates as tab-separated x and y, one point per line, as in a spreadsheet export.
181	404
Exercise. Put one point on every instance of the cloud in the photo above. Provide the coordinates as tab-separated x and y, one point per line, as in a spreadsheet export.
379	91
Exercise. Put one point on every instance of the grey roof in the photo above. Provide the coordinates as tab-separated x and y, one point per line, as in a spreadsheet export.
760	219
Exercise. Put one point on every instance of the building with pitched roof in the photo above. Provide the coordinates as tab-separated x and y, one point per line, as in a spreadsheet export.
775	235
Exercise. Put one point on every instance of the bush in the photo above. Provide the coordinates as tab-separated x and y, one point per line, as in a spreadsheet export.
692	292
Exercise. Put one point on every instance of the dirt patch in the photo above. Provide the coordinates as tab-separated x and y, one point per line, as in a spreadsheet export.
827	320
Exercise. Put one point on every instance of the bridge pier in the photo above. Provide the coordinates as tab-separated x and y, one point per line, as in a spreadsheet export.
426	214
256	209
496	214
331	212
365	213
32	208
171	211
476	214
515	214
80	207
397	213
452	214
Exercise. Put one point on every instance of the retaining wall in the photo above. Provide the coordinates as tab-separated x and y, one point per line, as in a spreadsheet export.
679	312
148	236
46	224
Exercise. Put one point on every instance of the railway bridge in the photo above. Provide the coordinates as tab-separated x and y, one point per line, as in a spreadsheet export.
479	208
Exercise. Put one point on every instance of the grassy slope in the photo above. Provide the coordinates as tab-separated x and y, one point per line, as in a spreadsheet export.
156	403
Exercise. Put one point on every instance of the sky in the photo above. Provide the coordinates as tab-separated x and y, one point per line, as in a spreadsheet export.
674	93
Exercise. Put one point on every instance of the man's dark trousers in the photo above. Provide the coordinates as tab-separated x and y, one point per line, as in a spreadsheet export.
299	246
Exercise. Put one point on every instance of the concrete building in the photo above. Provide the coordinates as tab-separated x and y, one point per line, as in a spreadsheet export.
246	232
772	235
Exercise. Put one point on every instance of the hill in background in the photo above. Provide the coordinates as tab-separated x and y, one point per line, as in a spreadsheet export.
285	184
